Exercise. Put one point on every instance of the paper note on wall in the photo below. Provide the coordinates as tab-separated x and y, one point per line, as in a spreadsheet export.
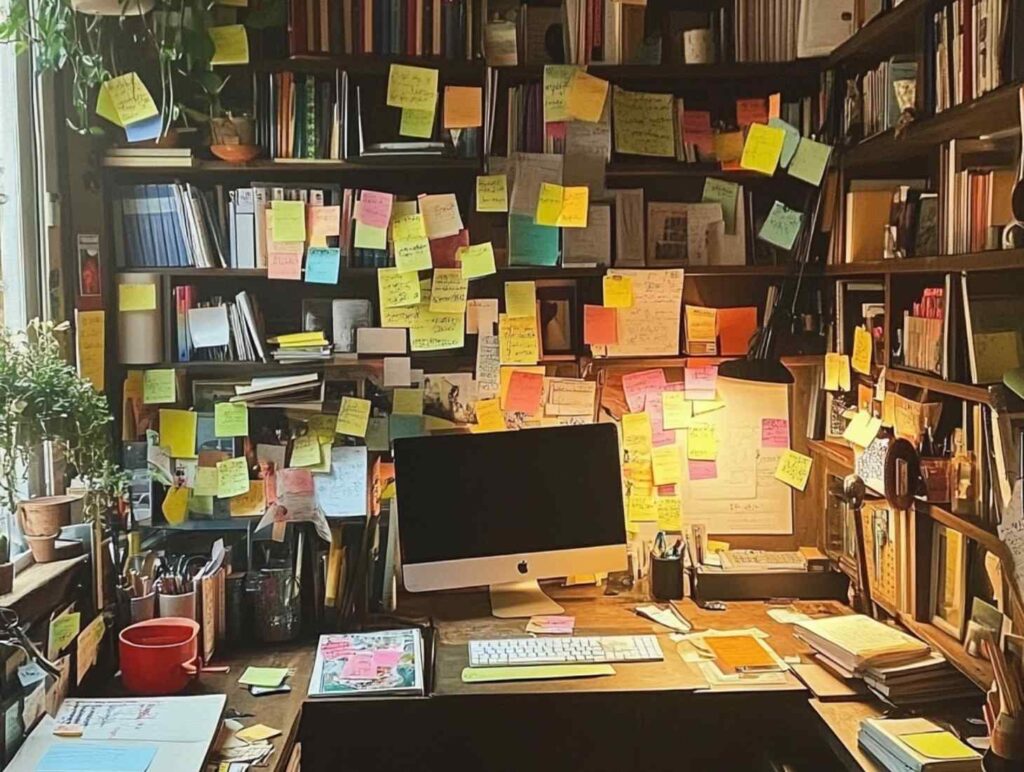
477	260
412	87
231	419
555	83
782	226
178	433
793	469
762	149
586	97
398	288
650	327
518	340
521	299
232	477
352	416
702	442
462	108
90	337
448	291
837	372
230	44
862	345
492	193
644	123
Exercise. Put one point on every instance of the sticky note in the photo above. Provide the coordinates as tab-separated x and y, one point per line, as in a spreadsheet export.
266	677
492	193
774	105
600	325
520	299
205	483
549	204
398	288
525	392
124	100
375	208
644	123
791	142
433	331
669	512
441	216
556	91
518	343
158	387
810	161
575	201
178	433
862	429
728	146
489	416
321	222
257	733
408	401
774	433
412	87
636	386
230	44
408	227
368	237
462	107
938	745
666	464
837	372
793	469
701	323
90	340
416	123
701	383
702	442
862	345
676	410
284	260
413	255
305	451
702	406
701	470
724	193
232	477
782	226
230	419
762	149
618	291
322	265
175	504
643	507
477	260
63	630
448	291
136	297
146	129
289	220
352	416
636	432
585	97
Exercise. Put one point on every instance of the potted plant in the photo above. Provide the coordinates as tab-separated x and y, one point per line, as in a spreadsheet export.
232	137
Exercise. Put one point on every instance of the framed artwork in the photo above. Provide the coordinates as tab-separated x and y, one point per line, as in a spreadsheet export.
558	319
948	593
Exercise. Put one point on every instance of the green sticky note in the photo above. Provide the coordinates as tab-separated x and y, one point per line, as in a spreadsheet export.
289	220
230	419
267	677
417	123
368	237
63	630
377	438
158	387
810	161
722	192
205	483
479	675
531	244
406	426
791	141
782	226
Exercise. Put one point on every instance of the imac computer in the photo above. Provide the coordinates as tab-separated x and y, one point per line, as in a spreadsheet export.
505	509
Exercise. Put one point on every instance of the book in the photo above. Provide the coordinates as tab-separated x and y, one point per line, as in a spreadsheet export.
381	663
856	642
915	745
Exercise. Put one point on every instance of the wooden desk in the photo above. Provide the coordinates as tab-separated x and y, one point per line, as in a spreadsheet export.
841	724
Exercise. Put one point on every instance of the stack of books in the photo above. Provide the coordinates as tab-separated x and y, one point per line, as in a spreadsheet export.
302	117
929	679
304	391
853	643
217	329
148	156
301	347
926	332
915	745
389	662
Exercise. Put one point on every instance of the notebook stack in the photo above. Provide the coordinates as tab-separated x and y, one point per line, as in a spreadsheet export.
291	391
929	679
301	347
915	745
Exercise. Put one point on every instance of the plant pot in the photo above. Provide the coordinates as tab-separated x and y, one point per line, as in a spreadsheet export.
44	548
113	7
44	515
236	154
232	130
6	578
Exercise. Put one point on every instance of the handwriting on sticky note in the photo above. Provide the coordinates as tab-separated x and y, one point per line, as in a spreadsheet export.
701	323
669	512
492	193
518	342
643	507
205	483
322	265
136	297
636	386
408	228
724	193
774	433
489	416
837	372
289	220
618	291
666	464
322	221
701	383
701	470
782	226
793	469
555	84
417	123
462	108
636	432
791	142
448	292
862	345
477	260
585	97
762	149
862	429
232	477
126	100
284	260
702	442
412	87
644	123
353	416
413	255
676	410
810	161
375	208
231	419
520	298
398	288
441	216
600	325
525	392
230	44
305	451
433	331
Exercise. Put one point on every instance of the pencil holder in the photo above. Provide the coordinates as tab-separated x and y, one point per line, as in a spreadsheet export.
144	608
183	605
666	578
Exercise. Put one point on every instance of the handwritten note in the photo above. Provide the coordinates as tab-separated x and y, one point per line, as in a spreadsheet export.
375	208
793	469
782	226
398	288
676	410
837	372
644	123
231	419
441	216
525	392
413	255
492	193
230	44
762	149
521	299
289	220
575	202
462	107
599	325
517	340
489	416
477	260
136	297
618	291
862	346
352	416
205	483
232	477
725	194
305	451
810	161
322	265
862	429
636	386
412	87
586	97
702	442
448	292
322	221
417	123
701	382
432	331
774	433
636	433
408	227
666	464
556	91
701	323
284	260
124	100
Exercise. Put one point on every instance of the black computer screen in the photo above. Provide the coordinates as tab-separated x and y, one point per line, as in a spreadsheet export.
483	495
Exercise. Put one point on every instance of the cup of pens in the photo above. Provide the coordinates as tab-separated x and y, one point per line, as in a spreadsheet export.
666	569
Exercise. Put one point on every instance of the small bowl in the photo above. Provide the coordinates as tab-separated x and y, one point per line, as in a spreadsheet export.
236	154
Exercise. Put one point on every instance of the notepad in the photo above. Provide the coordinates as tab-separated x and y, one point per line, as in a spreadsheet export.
267	677
479	675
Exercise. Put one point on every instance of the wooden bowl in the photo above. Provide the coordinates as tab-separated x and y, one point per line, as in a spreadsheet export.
236	154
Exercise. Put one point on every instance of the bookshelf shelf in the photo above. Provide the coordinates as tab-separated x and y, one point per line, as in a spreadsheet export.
882	35
520	272
970	528
375	64
670	168
992	260
841	454
976	669
724	71
939	385
268	168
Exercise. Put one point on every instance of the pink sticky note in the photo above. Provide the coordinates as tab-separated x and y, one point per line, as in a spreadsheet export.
774	433
701	382
555	129
359	666
636	386
284	260
299	481
667	490
387	658
653	407
702	470
375	208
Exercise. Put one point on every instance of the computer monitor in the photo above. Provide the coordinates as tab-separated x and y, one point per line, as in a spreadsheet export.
508	508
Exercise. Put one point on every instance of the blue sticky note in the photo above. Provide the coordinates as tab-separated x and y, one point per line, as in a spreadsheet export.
147	128
78	756
782	226
530	244
406	426
790	143
322	265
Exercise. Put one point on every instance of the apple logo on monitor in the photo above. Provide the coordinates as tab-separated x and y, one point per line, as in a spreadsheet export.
523	567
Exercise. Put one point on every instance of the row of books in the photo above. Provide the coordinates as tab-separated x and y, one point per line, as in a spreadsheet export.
915	745
875	102
447	28
301	116
976	179
966	41
217	329
924	344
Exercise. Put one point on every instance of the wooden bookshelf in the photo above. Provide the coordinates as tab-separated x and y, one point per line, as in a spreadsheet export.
976	669
991	260
269	169
881	36
801	69
509	271
939	385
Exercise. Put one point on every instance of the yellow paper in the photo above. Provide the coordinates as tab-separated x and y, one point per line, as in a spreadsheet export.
763	148
676	410
549	204
793	469
728	146
369	237
837	372
702	406
644	123
861	359
701	323
479	675
669	511
322	426
556	91
324	467
257	733
412	87
489	416
702	443
517	340
643	507
413	255
520	299
230	44
618	291
408	227
477	260
586	97
178	433
158	387
90	338
492	193
505	377
251	503
407	401
448	292
305	451
136	297
398	288
575	200
938	745
175	505
432	331
232	477
863	429
666	464
126	99
416	123
289	220
353	416
205	483
636	433
230	419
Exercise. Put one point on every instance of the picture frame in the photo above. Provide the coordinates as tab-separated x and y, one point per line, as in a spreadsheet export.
558	320
947	597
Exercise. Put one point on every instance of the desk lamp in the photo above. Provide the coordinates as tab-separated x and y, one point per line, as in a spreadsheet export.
853	494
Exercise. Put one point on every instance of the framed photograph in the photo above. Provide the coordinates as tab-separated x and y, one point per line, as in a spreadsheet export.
207	393
338	319
557	319
948	594
90	275
681	234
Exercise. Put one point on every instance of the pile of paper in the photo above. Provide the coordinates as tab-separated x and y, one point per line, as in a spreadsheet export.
292	391
301	347
915	745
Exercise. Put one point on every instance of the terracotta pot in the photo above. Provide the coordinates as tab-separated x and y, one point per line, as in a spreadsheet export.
44	548
232	131
44	515
6	578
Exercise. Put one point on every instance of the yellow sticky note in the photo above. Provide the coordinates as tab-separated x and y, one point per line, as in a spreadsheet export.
398	288
863	429
232	477
586	97
669	512
666	464
702	406
126	99
448	292
520	298
175	505
90	339
575	200
636	432
518	343
433	331
793	469
489	416
251	503
728	146
861	359
644	123
676	410
408	227
230	419
230	44
618	291
407	402
353	416
556	91
837	372
322	426
462	107
257	733
416	123
412	87
205	483
289	220
305	451
492	193
701	323
702	443
178	433
643	507
136	297
938	745
477	260
413	255
549	204
763	148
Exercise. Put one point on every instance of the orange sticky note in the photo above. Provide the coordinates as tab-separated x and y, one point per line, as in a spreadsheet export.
462	107
525	392
322	221
600	325
750	111
774	105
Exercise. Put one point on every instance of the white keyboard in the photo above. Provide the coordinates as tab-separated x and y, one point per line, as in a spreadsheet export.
548	651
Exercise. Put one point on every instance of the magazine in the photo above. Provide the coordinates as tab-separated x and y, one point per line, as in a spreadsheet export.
388	662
